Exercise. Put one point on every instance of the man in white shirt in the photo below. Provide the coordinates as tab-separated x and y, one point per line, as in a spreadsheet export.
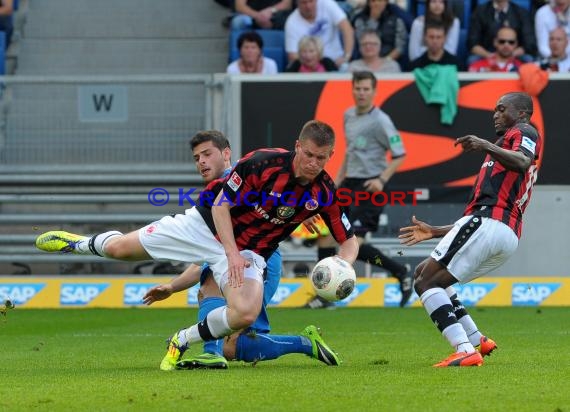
324	19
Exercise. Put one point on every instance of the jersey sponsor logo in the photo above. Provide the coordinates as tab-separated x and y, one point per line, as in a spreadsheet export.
285	212
345	221
80	293
311	204
528	144
532	294
283	292
234	182
134	292
358	290
392	296
20	293
471	294
192	297
489	163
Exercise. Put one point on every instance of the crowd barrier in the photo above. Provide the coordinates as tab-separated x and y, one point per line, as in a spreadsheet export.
123	292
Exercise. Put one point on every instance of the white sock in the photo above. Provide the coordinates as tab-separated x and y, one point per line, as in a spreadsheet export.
216	325
456	336
471	330
95	245
466	321
435	298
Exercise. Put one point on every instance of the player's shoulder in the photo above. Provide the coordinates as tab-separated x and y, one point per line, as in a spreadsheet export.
526	130
325	180
265	156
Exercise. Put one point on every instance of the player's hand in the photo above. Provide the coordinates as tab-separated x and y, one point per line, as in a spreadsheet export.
156	293
236	264
373	185
411	235
471	143
311	224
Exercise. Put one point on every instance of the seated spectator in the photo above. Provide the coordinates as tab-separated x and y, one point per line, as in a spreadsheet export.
434	38
436	11
486	21
6	25
369	44
391	28
547	18
559	59
261	14
311	58
504	59
250	45
324	19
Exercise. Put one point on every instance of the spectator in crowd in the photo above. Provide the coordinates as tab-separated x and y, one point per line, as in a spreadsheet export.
434	39
261	14
6	25
326	20
486	21
547	18
311	58
559	59
504	59
377	15
251	60
436	11
369	44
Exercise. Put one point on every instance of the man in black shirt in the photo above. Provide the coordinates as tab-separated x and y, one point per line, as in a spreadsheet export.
434	38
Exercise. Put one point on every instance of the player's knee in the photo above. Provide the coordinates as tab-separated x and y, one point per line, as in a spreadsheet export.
247	313
117	248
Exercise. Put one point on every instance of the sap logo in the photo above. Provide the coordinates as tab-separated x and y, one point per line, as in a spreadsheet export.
471	294
490	163
392	296
532	294
358	290
192	298
283	292
20	293
80	294
134	292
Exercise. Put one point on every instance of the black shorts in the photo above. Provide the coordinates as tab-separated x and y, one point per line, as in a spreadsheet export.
364	217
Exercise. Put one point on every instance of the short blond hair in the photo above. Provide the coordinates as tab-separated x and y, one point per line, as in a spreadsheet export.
311	41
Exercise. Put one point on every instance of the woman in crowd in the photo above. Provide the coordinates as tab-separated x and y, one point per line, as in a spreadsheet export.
251	60
437	11
370	44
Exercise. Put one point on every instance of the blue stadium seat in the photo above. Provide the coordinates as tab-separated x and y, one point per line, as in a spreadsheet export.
462	52
273	46
2	53
525	4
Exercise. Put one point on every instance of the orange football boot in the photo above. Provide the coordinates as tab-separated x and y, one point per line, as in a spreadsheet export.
461	359
486	346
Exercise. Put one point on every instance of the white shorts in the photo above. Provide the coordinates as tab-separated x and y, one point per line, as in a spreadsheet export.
475	246
187	238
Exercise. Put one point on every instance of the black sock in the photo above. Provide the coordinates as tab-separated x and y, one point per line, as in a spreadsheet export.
325	252
369	254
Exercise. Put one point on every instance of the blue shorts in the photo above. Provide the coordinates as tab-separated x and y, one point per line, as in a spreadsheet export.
270	284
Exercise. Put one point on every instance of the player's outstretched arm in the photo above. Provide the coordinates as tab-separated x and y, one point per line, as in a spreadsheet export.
410	235
513	160
185	280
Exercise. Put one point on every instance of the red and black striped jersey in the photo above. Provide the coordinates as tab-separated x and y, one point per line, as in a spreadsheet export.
269	202
504	194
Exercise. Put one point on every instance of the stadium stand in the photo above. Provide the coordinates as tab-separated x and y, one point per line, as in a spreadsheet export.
58	171
273	46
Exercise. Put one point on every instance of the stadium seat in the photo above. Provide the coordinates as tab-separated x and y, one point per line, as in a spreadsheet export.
2	53
273	46
525	4
462	52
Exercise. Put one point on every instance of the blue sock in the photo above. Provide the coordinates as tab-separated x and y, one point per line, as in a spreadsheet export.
206	306
263	347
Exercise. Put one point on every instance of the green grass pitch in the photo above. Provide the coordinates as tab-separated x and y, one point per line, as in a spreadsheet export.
107	360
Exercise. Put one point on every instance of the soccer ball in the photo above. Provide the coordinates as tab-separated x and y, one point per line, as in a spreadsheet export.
333	278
